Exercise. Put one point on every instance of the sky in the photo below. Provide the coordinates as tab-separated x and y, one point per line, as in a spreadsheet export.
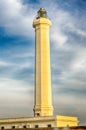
68	57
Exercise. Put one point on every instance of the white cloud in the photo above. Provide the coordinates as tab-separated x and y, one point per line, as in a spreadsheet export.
58	38
14	19
17	70
16	65
11	84
25	55
18	18
15	97
80	63
77	68
77	30
69	99
3	63
60	19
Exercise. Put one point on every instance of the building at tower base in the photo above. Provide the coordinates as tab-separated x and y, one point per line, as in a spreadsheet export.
38	122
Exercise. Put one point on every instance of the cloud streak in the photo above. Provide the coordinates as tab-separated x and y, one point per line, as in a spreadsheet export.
14	17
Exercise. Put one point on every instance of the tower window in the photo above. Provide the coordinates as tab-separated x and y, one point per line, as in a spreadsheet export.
13	127
49	125
25	126
38	114
2	128
36	126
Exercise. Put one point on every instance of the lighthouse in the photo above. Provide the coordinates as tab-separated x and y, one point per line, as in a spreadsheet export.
43	88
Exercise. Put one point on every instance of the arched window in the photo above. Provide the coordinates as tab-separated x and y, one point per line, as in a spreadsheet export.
13	127
36	126
24	126
49	125
2	128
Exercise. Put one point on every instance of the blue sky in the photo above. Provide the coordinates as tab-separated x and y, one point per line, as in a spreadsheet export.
68	56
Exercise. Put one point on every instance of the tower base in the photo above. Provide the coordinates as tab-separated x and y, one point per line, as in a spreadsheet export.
43	111
38	122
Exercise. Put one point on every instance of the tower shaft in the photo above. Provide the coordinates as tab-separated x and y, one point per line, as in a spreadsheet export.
43	93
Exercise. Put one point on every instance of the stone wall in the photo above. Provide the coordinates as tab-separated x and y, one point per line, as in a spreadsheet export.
33	129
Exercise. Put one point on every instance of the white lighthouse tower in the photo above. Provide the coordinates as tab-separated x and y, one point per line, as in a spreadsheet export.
43	90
